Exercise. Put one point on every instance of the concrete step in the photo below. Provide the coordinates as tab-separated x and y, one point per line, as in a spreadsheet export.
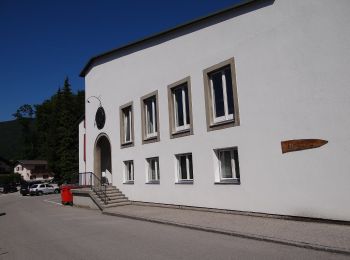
113	196
109	192
111	188
95	195
100	200
117	200
116	204
107	188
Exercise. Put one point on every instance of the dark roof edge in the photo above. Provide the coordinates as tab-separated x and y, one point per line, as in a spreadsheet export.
181	26
80	119
31	162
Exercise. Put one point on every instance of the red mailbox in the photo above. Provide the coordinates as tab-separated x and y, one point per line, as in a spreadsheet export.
66	195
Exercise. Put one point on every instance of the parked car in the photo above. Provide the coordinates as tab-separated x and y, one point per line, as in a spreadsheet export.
40	189
55	186
25	186
8	187
24	190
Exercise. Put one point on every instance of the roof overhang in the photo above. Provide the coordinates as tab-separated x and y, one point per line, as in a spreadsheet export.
237	7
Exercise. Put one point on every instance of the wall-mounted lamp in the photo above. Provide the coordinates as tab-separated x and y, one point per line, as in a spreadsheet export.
100	117
98	98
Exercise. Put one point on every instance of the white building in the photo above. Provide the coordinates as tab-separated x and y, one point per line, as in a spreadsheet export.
196	115
33	170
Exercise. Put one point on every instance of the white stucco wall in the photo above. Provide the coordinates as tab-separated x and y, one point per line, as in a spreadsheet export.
25	172
84	179
292	61
81	146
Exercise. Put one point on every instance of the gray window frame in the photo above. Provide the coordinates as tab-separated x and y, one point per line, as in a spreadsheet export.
131	143
236	175
171	107
179	180
149	175
126	172
156	138
235	121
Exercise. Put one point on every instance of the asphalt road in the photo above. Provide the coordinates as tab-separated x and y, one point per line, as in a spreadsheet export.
40	228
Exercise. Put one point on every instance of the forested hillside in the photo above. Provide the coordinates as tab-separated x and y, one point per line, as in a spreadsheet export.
11	140
47	131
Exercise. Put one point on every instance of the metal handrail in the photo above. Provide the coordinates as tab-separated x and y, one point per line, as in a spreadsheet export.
96	184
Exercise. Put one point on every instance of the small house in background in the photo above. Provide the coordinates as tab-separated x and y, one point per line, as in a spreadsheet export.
33	170
5	166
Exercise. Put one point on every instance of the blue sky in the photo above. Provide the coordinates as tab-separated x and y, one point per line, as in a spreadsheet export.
44	41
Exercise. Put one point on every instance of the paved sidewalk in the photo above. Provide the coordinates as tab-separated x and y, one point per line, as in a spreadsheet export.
319	236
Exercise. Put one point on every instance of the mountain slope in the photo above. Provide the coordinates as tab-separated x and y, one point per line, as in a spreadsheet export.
10	140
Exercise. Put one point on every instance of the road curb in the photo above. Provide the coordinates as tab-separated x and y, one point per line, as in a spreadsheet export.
236	234
2	213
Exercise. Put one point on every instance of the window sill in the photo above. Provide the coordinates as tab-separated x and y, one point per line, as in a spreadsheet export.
184	182
233	181
151	136
153	182
127	144
181	133
128	182
223	124
150	139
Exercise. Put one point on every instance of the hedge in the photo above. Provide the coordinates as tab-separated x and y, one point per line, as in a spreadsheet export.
10	178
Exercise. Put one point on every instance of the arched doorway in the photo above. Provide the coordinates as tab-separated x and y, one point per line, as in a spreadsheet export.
103	158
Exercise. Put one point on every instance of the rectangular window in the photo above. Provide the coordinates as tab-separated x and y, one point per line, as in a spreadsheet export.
129	171
150	113
228	166
153	170
184	168
221	96
180	108
150	117
126	125
180	99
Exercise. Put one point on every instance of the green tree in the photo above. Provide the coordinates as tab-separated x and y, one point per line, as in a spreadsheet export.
66	132
44	121
57	131
24	115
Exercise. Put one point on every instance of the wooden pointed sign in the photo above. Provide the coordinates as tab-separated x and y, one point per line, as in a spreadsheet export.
301	144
